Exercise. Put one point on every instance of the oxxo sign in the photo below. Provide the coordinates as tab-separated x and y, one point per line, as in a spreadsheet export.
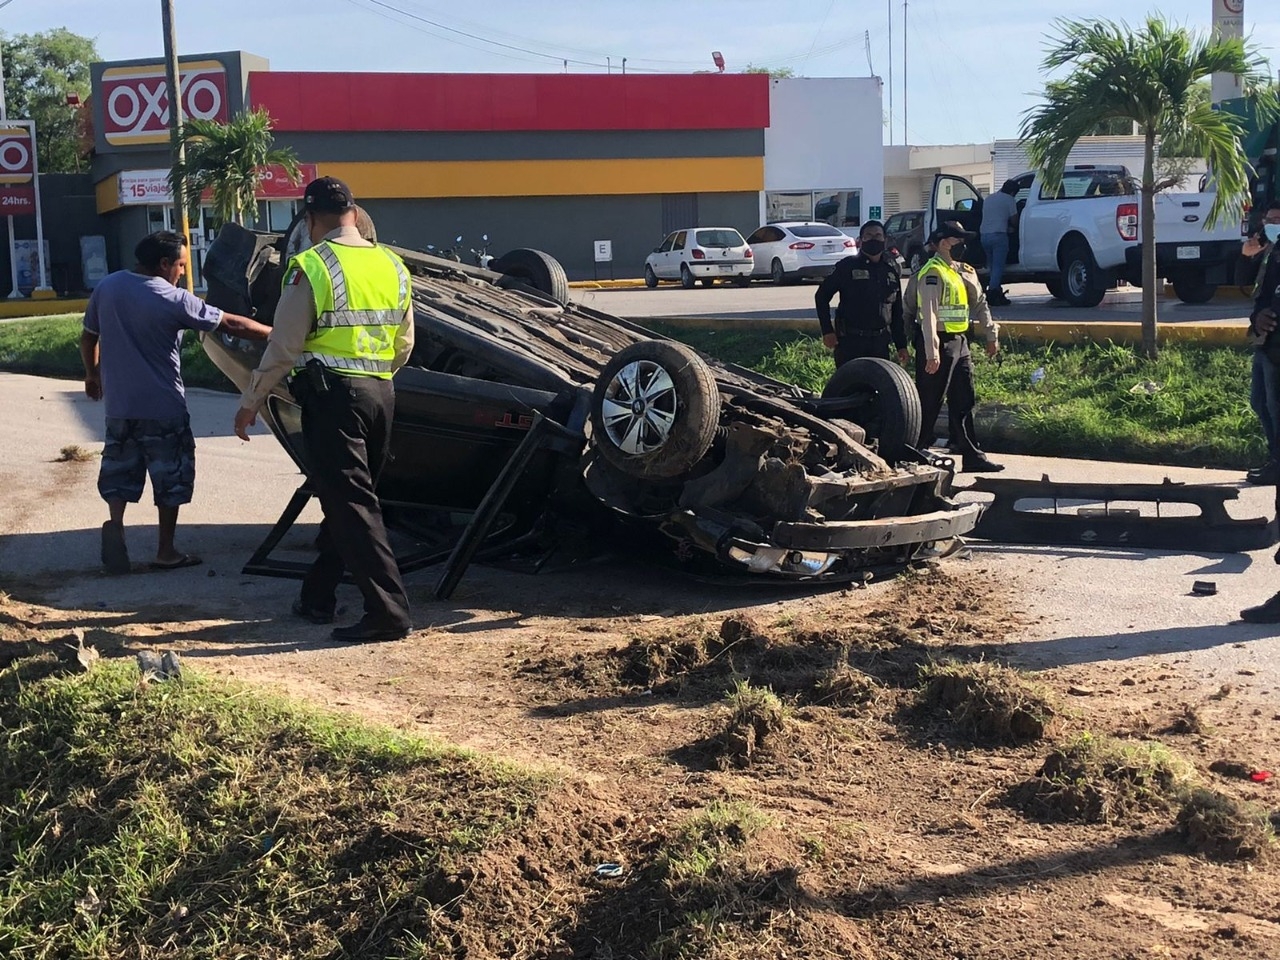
17	170
135	100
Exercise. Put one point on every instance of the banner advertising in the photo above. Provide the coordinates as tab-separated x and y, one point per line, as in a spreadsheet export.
135	100
17	168
139	187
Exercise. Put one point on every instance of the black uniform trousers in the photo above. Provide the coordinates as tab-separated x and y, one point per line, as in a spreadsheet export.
851	346
347	431
954	383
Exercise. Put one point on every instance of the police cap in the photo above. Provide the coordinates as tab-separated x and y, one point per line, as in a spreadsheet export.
953	229
327	195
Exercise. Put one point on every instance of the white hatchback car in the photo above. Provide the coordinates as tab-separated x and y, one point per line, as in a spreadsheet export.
799	248
700	253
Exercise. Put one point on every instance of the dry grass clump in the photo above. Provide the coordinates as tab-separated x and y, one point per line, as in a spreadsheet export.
987	701
756	716
74	453
1101	780
1226	828
845	687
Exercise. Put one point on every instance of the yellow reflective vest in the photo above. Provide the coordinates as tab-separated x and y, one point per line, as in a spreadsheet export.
361	295
953	305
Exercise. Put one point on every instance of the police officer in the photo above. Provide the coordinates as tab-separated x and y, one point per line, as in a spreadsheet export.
343	326
870	310
949	298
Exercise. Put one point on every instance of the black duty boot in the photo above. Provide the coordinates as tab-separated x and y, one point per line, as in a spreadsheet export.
978	463
371	631
1268	612
1266	475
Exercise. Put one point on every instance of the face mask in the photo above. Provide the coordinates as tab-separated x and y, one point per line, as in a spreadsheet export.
957	251
872	247
1272	230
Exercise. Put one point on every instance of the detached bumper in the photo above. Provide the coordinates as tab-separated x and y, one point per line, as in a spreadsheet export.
884	532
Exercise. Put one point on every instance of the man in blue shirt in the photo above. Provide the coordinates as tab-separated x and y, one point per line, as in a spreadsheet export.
130	347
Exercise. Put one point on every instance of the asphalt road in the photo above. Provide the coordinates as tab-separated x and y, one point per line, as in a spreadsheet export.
1096	605
764	301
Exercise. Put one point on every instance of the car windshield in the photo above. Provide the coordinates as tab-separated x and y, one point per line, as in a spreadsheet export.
719	238
815	230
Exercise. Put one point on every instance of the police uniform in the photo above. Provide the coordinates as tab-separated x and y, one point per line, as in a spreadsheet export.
948	299
343	326
869	313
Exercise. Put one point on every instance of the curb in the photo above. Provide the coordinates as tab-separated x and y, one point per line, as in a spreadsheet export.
605	284
31	309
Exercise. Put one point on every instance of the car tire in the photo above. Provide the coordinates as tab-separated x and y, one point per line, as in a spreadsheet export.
777	273
678	386
1191	287
1084	284
539	270
742	281
1055	289
650	278
687	279
890	409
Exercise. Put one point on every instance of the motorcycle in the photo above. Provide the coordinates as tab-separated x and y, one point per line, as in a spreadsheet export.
448	253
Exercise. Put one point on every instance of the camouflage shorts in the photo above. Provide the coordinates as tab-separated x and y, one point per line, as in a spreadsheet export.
163	448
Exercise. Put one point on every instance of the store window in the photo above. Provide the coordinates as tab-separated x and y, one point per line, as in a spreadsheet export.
277	214
840	208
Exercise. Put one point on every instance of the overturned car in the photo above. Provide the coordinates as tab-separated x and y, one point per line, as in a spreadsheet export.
523	418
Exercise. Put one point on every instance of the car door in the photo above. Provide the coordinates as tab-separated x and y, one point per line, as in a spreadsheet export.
661	259
764	246
1016	254
677	254
955	198
1042	223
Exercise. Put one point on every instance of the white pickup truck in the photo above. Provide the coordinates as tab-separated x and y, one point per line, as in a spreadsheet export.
1084	237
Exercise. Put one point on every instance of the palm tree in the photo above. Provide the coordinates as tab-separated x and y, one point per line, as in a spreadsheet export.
228	159
1147	76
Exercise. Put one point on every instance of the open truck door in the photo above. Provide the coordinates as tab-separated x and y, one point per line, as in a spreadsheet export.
955	198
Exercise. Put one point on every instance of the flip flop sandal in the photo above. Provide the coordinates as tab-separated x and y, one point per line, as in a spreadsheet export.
115	554
186	560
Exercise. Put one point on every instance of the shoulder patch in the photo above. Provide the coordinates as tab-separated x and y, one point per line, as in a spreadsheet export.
931	280
293	277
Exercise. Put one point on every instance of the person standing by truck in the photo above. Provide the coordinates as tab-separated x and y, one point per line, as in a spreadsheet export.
949	299
869	313
999	219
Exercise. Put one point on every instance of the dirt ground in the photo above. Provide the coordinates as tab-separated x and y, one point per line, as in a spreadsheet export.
895	824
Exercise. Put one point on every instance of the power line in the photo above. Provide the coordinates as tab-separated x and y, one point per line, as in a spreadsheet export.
816	35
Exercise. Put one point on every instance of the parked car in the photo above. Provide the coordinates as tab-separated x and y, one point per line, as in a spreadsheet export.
904	233
792	249
1081	238
652	441
700	253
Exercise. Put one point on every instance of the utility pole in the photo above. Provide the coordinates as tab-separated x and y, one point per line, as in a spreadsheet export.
906	137
889	4
15	293
179	153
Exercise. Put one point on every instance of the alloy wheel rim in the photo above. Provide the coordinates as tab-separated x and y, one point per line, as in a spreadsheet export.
639	407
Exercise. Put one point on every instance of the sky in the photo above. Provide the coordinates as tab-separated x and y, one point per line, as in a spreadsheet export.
972	68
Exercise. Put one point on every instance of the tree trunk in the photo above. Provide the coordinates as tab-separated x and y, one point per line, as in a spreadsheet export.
1149	345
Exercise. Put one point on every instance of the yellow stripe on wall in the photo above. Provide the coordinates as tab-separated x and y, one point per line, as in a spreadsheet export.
548	178
107	193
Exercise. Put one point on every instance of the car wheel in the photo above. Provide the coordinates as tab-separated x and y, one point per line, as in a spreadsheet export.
1055	289
654	410
776	272
888	405
539	270
1190	286
687	279
650	278
1083	283
742	281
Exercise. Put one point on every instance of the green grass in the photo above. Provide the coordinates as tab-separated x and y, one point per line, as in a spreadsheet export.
50	347
1083	406
199	819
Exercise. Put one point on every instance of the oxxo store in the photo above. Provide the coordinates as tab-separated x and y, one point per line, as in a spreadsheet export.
552	161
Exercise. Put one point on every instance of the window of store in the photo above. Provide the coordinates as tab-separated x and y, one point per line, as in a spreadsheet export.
840	208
